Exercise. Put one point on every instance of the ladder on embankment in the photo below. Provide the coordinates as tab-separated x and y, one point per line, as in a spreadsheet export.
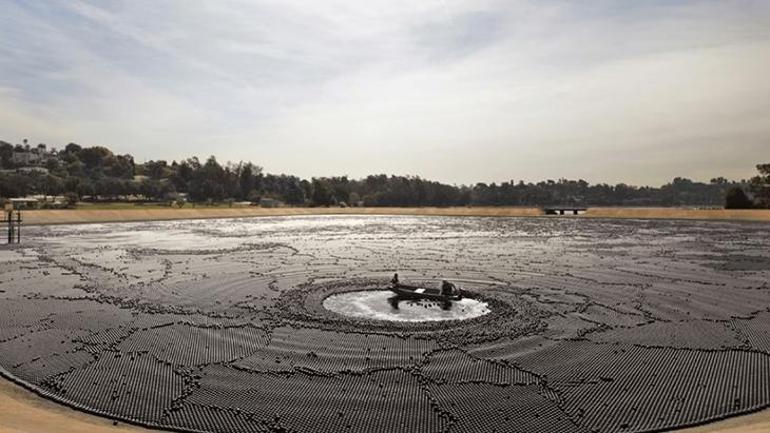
12	218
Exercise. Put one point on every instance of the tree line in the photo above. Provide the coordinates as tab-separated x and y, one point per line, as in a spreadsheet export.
96	173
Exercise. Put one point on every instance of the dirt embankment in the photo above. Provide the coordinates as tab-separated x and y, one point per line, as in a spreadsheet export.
22	411
42	217
758	422
25	412
679	213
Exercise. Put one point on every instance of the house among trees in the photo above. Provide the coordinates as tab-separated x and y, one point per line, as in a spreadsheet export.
26	159
19	203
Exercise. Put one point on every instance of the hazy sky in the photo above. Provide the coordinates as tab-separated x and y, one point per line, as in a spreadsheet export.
457	91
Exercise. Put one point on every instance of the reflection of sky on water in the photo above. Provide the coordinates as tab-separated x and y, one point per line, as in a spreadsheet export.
307	231
211	234
375	304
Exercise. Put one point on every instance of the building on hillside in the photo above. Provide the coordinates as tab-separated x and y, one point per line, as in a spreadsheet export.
32	156
25	158
24	203
53	199
32	169
25	170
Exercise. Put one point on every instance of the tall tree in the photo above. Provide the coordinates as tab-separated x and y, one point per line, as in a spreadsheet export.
760	186
737	199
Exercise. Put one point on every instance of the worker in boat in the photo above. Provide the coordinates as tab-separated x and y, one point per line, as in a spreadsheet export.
394	281
447	288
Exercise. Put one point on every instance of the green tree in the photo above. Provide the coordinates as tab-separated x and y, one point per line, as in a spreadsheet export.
760	186
6	153
71	199
249	178
322	193
295	193
72	148
155	169
207	182
737	199
93	157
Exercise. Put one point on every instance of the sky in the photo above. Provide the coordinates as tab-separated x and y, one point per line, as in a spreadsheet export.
456	91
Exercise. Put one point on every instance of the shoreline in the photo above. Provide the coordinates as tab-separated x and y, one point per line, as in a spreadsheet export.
86	216
28	412
25	411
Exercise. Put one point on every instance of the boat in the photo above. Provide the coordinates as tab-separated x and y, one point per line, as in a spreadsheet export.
406	291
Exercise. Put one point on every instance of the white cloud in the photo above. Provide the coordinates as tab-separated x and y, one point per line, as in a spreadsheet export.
459	91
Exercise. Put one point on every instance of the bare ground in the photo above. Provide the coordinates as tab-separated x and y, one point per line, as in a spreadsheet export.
44	217
26	412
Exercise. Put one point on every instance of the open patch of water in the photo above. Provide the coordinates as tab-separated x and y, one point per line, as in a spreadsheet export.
383	305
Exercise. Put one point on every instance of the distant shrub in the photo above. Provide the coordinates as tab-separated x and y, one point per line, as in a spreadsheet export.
254	196
70	199
737	199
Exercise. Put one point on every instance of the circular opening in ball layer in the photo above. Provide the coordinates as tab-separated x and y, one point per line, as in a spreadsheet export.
384	305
